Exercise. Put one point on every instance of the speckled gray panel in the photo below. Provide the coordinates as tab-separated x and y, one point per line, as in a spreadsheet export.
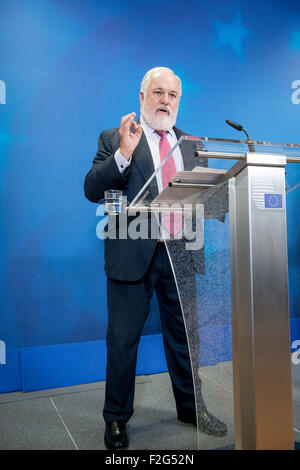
203	283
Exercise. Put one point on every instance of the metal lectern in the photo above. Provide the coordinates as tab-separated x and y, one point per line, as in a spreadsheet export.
253	191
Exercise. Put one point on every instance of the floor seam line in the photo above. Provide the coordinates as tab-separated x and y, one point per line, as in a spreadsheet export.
217	383
66	427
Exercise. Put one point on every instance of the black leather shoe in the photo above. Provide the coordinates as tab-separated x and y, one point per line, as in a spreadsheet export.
207	423
115	436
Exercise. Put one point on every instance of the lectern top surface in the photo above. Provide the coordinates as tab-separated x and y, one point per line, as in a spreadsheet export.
240	147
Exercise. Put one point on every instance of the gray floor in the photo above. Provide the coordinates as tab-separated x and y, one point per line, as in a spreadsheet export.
71	418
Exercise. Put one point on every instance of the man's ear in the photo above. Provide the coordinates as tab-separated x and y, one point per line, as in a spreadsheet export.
142	97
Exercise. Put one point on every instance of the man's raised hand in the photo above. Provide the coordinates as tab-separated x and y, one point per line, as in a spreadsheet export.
128	139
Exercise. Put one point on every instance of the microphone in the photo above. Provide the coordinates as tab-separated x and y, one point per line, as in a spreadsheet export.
238	127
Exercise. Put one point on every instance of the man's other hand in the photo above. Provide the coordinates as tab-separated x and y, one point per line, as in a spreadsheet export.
128	139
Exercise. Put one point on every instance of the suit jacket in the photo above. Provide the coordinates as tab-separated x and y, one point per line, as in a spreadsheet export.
128	260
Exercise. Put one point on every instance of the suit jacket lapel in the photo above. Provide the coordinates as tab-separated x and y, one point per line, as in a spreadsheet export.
185	147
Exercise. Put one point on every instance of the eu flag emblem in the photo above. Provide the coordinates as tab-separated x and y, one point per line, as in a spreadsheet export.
273	201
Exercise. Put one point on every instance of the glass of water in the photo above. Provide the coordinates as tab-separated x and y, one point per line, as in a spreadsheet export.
115	202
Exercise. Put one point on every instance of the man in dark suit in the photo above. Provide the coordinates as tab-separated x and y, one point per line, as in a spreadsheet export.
125	160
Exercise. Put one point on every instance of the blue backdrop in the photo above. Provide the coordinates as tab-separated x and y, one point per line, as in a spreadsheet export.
70	68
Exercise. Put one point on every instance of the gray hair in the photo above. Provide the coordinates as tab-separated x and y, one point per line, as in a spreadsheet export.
148	76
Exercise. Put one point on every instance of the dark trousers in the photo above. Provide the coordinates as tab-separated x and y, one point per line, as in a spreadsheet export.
128	308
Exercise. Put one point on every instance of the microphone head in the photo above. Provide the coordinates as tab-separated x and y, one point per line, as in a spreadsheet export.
236	126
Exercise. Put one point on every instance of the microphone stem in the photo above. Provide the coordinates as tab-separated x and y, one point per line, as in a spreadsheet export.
249	142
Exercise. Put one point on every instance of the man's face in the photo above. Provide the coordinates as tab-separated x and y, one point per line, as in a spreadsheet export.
160	105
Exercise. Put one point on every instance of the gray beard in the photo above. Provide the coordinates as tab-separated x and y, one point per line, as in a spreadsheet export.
160	123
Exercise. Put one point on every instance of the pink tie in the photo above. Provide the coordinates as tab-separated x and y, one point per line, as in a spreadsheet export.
168	170
172	221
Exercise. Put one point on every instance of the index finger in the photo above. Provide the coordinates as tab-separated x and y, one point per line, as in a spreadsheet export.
128	117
